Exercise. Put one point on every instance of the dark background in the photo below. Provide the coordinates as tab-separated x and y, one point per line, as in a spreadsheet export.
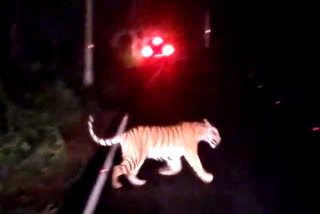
265	144
261	157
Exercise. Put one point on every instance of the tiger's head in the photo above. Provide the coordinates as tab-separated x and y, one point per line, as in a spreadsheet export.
211	135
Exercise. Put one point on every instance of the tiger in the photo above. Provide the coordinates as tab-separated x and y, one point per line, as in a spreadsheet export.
161	143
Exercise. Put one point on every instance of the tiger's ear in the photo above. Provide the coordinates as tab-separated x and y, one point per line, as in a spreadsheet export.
206	122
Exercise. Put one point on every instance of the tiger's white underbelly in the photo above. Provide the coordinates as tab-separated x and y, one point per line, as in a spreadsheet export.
165	153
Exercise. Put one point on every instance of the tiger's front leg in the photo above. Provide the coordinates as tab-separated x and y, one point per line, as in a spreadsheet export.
195	163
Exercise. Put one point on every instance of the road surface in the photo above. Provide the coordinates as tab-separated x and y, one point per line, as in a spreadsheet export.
251	167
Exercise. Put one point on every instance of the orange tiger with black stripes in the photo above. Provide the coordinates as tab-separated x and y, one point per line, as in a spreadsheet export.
165	143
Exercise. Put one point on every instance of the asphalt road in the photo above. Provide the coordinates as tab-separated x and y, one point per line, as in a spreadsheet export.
255	166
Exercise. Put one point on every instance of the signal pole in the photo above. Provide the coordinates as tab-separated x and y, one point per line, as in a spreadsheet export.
88	46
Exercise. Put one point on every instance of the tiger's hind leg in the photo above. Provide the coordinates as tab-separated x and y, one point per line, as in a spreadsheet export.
195	163
132	176
130	169
117	171
173	167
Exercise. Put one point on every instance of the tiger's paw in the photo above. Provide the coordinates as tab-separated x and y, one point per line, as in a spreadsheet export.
140	182
164	171
207	178
168	171
136	181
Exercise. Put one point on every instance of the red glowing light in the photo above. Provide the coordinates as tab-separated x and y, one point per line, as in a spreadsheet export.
167	50
146	51
157	41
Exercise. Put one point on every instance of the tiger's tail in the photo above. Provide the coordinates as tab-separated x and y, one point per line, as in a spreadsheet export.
100	141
